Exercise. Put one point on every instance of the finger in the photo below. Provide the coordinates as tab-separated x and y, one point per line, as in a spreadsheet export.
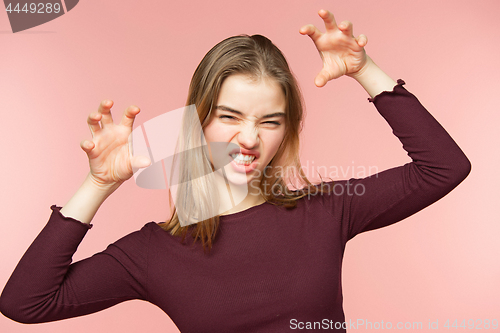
362	40
346	28
322	78
93	122
139	162
329	20
311	31
105	110
129	116
87	146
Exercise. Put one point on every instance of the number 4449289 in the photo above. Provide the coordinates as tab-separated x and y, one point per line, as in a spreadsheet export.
35	8
477	324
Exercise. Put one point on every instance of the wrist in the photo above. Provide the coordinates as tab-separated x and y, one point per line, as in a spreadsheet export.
373	79
364	71
88	198
98	187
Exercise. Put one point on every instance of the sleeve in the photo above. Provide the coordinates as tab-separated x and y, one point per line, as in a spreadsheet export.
438	165
45	286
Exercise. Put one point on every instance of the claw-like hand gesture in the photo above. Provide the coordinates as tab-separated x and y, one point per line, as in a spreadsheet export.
342	53
109	156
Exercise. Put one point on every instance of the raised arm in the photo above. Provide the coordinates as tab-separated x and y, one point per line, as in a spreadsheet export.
45	285
438	164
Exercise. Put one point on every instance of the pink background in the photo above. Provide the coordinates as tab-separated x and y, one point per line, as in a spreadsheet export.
442	263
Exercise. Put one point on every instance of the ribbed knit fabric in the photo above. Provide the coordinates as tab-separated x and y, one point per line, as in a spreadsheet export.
270	268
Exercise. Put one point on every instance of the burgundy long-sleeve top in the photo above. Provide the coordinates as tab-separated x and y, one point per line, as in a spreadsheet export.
270	268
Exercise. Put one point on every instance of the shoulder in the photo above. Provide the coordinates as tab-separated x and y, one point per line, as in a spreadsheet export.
330	198
135	242
331	190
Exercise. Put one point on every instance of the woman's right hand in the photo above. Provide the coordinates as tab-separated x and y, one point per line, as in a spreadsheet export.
110	160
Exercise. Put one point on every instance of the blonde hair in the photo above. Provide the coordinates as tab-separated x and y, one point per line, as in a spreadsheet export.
257	57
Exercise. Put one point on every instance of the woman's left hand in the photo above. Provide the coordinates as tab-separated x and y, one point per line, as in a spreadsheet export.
342	53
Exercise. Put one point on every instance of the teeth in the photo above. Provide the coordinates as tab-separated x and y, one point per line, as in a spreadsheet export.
243	159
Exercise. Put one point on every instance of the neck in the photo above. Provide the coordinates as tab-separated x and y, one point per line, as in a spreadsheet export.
242	198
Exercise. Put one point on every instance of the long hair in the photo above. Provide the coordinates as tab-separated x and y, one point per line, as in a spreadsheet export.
257	57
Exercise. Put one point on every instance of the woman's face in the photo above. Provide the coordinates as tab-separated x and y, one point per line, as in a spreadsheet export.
251	115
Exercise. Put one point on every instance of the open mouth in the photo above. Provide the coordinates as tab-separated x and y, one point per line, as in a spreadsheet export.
243	159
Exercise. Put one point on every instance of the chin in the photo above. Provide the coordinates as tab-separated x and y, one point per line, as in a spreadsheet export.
237	178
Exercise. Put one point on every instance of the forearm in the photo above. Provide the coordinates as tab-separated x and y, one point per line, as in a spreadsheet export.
46	286
86	201
373	79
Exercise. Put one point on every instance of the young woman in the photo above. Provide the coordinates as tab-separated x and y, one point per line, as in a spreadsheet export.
272	261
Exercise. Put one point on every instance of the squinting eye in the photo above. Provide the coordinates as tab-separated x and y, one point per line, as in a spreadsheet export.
228	117
273	123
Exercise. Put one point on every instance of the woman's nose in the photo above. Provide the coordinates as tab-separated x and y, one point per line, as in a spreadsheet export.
248	136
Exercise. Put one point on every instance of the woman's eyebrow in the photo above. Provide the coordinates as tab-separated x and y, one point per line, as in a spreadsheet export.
271	115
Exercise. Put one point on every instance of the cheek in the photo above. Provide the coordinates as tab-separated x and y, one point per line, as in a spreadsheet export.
272	141
217	133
